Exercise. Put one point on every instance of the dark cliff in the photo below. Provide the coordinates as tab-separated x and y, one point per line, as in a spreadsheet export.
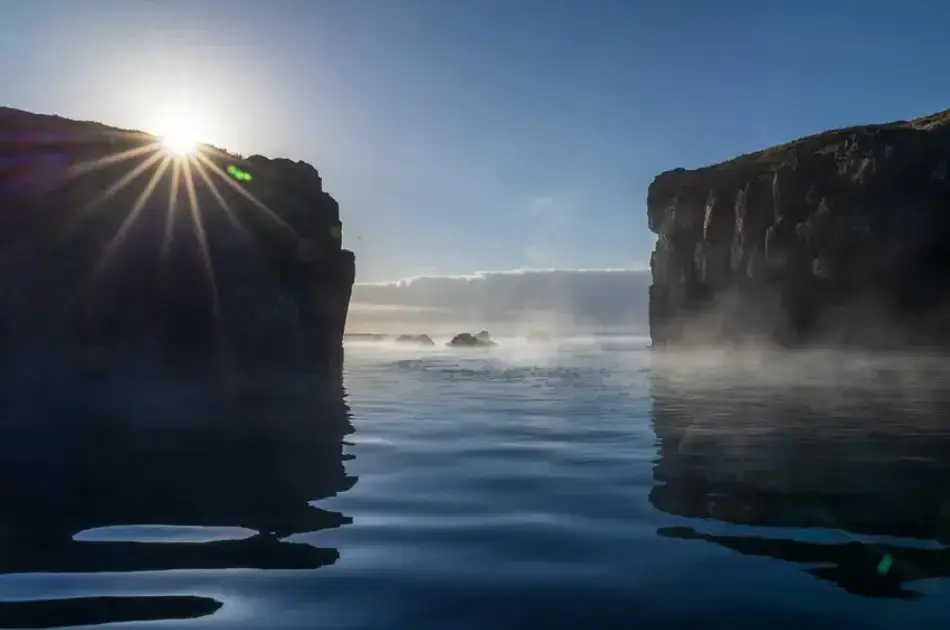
110	244
837	239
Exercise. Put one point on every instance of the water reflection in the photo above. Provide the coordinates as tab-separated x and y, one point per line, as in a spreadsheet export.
838	451
252	461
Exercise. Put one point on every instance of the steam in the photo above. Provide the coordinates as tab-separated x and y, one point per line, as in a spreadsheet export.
516	302
824	380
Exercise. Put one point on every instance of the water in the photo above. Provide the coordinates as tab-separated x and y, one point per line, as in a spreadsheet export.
575	484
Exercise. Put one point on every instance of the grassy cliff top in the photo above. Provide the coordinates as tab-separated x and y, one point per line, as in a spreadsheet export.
825	141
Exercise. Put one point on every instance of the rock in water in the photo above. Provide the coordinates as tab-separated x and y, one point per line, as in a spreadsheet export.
418	340
468	340
110	245
838	239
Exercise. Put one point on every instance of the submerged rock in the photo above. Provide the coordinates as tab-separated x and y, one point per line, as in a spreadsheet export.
419	340
836	239
467	340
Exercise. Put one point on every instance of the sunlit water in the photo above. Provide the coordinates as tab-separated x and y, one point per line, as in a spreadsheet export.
581	484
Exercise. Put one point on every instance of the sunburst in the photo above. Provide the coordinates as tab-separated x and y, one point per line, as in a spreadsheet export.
179	134
180	142
176	150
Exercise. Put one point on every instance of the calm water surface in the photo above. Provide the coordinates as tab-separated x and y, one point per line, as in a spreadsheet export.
577	484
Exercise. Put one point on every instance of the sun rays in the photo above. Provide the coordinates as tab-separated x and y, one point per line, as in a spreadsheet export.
174	158
180	143
199	231
178	132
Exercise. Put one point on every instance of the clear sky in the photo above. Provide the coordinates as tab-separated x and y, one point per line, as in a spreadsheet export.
464	135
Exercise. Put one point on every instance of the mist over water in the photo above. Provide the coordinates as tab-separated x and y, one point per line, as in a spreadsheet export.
516	302
583	481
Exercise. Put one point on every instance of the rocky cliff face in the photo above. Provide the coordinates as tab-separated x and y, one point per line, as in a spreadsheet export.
836	239
107	241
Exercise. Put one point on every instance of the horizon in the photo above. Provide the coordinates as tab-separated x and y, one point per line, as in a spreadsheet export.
480	135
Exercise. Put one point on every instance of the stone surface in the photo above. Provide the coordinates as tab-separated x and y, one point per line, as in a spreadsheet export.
468	340
837	239
109	244
419	340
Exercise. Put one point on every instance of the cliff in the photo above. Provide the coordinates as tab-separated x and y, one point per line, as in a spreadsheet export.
837	239
111	245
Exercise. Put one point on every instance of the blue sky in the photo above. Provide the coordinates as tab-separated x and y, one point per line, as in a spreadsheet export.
465	135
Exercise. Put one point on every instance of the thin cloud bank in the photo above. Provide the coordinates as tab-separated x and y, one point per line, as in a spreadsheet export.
590	299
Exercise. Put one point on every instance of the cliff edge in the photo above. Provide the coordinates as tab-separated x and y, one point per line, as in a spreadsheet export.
112	245
838	239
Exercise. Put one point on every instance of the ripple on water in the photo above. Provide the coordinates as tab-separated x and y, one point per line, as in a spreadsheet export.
568	488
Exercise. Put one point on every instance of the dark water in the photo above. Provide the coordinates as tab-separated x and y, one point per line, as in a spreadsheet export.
556	485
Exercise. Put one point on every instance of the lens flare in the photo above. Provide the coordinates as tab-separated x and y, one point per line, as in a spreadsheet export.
238	174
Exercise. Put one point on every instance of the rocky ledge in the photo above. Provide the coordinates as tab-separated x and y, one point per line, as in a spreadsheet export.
838	239
114	248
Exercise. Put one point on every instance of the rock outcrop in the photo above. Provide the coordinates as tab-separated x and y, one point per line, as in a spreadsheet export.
837	239
417	340
468	340
110	243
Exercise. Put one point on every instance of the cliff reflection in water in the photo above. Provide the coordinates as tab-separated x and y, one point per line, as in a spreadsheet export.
255	462
854	446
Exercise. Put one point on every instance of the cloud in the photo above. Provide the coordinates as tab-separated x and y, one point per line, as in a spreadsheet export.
580	298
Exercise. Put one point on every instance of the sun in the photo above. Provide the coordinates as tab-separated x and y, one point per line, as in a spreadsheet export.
181	125
179	140
180	143
179	136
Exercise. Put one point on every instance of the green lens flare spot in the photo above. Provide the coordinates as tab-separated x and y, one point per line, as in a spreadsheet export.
238	174
885	564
